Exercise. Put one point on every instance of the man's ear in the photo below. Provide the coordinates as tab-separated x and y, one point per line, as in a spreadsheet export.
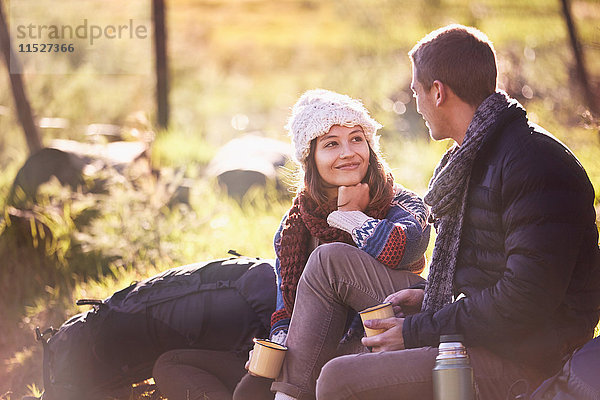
440	92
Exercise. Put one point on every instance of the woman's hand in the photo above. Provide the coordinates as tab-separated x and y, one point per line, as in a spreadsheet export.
353	198
249	358
247	366
406	301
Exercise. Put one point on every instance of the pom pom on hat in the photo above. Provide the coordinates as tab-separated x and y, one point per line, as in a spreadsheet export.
317	110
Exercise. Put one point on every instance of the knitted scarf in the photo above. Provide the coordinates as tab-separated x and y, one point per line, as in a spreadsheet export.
306	219
447	197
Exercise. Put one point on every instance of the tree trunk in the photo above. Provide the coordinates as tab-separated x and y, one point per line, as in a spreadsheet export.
160	46
21	103
590	98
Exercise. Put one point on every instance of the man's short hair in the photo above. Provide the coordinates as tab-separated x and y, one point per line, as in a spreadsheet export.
459	56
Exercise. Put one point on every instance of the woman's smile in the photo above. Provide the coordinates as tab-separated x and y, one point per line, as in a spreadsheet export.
348	166
342	156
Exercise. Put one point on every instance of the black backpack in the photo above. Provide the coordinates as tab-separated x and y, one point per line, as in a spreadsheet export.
579	378
217	305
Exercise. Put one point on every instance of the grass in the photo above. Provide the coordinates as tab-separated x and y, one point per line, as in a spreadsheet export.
250	58
138	236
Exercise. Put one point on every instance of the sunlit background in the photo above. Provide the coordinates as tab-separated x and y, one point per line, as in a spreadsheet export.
235	68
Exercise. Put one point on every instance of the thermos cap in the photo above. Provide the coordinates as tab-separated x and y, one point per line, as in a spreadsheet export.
452	338
451	347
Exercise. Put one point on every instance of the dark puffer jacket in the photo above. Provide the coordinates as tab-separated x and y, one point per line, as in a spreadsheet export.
529	262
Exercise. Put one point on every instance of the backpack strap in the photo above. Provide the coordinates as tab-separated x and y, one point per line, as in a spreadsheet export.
257	286
215	285
41	337
89	302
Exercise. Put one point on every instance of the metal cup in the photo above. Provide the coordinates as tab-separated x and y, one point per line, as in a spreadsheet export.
380	311
267	358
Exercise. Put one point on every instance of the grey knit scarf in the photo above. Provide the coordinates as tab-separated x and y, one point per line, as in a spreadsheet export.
447	197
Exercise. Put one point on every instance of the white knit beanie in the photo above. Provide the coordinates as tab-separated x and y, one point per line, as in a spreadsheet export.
317	110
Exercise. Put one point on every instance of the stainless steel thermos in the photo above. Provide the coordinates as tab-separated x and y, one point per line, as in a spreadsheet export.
452	374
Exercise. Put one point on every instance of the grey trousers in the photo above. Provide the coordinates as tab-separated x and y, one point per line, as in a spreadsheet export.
406	374
338	277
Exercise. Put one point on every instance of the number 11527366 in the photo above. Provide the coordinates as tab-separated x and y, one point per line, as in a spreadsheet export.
46	48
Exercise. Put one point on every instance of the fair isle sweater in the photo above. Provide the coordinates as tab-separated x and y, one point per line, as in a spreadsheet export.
397	241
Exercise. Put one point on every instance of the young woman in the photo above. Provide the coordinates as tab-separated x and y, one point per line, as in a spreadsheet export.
346	194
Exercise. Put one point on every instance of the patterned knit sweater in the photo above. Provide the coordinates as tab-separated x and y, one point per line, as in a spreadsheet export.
398	241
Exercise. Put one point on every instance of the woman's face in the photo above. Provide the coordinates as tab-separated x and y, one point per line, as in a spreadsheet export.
342	157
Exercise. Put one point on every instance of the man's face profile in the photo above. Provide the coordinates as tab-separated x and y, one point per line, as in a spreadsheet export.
426	106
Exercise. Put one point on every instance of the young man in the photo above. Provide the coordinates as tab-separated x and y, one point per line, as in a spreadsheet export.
516	263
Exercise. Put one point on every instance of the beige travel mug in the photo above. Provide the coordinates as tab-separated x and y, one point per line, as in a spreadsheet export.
380	311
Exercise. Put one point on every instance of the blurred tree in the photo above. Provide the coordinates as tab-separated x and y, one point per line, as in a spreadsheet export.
21	103
590	97
160	44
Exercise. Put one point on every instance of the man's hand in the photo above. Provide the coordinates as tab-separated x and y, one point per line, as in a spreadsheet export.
406	301
391	339
353	198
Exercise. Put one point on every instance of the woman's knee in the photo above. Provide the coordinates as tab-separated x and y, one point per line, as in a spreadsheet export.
325	258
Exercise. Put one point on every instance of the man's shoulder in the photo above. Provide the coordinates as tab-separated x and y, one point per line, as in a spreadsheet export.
527	155
528	144
522	136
